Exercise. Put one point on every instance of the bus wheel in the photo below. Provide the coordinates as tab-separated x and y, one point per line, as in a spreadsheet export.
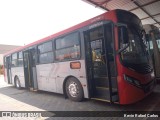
74	89
17	83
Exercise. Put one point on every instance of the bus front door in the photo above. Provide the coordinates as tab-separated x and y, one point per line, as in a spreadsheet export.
101	68
29	69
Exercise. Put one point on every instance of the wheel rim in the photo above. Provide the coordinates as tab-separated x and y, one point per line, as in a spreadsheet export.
17	83
73	89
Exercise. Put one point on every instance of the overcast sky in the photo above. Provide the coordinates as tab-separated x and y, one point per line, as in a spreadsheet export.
25	21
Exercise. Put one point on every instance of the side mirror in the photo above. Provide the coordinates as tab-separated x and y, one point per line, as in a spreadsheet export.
124	34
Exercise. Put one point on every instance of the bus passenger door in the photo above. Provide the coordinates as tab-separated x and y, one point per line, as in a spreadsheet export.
8	65
100	63
30	69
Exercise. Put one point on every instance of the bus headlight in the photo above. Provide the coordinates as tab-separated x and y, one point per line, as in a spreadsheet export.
132	81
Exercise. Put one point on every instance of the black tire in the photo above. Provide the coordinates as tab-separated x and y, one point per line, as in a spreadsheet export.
74	89
17	83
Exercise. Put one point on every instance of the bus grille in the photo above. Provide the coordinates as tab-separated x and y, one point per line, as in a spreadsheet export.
142	68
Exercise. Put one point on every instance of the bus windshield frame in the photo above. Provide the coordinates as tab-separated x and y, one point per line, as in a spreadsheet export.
135	54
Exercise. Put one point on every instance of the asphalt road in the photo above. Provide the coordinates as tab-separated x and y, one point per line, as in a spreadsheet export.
12	99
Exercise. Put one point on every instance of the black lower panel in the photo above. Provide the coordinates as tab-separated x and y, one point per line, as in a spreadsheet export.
104	93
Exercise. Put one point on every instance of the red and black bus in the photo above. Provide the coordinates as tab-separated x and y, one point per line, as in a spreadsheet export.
103	58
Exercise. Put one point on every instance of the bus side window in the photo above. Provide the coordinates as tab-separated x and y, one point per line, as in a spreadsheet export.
20	59
5	62
67	47
14	62
45	53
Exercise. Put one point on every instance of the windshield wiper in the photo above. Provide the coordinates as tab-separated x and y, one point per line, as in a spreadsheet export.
122	49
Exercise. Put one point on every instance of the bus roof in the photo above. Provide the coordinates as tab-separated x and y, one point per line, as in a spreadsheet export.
109	15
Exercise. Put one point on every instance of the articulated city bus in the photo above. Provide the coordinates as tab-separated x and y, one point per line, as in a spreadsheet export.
103	58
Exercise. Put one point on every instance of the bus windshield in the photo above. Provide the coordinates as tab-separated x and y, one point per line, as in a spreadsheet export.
136	52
